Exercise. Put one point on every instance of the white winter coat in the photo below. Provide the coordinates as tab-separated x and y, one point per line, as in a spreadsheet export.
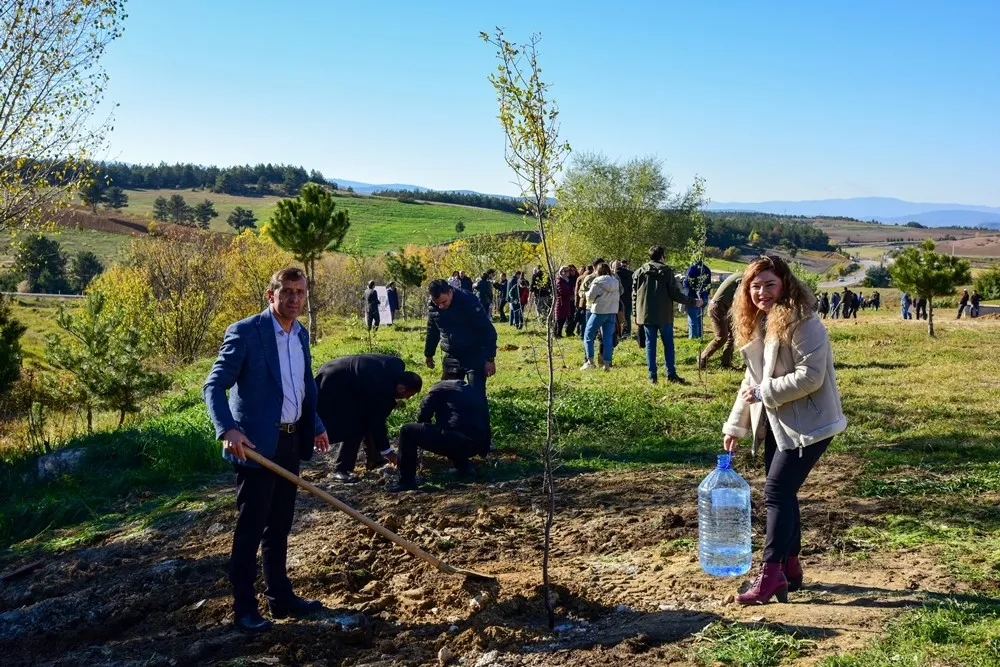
798	389
604	295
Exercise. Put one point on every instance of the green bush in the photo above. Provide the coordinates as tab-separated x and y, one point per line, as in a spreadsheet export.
988	283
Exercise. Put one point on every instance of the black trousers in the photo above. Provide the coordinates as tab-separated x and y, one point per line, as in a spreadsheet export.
472	367
373	319
347	454
437	439
266	504
786	472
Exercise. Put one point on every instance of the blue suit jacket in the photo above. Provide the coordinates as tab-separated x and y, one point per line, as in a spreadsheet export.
248	365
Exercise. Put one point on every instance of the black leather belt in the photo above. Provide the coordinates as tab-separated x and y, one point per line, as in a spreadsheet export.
288	428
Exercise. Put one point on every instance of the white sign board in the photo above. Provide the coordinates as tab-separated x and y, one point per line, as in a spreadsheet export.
384	314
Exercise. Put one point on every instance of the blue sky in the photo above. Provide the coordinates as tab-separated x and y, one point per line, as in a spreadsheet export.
765	100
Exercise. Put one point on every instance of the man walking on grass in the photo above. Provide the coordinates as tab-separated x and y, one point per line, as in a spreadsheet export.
718	312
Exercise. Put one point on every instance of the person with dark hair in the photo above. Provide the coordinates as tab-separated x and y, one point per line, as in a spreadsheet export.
465	281
624	275
653	294
265	365
581	298
921	307
718	310
501	286
356	395
571	321
392	296
876	301
788	401
456	319
453	421
513	295
698	281
835	306
824	305
962	303
564	302
975	300
484	290
372	317
904	306
455	280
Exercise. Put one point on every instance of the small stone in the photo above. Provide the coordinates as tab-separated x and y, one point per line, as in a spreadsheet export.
487	659
387	647
757	619
64	461
475	604
215	528
453	629
731	598
445	655
623	608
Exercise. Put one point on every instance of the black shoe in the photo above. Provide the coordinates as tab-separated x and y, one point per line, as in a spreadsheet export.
345	477
676	379
251	622
403	486
295	607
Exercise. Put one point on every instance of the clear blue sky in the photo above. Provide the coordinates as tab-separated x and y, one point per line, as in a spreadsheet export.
766	100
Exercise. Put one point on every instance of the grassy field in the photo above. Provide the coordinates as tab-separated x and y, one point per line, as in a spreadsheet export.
845	232
919	458
107	246
376	224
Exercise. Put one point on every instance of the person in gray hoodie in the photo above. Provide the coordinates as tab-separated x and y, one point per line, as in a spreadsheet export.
603	297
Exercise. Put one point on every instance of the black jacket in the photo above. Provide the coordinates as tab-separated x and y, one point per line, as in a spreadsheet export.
456	405
484	289
371	300
466	283
464	329
356	395
625	280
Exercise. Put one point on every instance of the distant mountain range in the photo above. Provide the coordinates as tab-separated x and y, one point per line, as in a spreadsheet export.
883	209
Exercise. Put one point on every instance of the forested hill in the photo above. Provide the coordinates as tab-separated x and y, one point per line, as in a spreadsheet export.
475	199
726	229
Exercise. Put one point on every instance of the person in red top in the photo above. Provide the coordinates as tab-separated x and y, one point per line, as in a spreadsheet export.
565	294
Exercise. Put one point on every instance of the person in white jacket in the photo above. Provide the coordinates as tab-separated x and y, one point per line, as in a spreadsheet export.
789	401
603	298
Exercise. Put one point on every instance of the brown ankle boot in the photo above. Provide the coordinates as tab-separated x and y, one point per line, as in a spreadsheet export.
793	573
770	582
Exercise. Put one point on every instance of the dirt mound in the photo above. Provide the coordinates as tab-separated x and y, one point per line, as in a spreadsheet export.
629	588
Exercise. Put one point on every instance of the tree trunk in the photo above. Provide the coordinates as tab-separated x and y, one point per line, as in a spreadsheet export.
930	316
90	420
548	453
310	275
121	419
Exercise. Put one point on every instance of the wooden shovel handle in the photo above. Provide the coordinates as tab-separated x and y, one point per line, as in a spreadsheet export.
354	514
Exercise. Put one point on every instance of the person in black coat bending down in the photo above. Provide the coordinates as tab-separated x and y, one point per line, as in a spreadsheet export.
453	421
356	395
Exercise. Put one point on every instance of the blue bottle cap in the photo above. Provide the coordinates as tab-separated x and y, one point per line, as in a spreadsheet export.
725	460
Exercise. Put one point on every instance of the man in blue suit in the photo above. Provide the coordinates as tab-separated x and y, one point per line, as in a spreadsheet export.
264	361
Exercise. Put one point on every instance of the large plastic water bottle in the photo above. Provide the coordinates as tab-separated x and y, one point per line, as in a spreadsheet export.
724	521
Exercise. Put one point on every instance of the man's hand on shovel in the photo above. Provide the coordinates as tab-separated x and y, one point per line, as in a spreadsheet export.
233	441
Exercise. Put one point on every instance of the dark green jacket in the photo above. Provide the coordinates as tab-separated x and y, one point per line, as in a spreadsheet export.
724	296
654	292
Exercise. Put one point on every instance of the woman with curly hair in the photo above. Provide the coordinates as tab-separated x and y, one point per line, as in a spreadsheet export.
789	401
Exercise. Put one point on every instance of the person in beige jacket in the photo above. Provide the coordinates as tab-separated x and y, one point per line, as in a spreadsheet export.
789	401
603	299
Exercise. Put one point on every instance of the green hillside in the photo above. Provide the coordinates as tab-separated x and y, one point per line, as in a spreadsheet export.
376	224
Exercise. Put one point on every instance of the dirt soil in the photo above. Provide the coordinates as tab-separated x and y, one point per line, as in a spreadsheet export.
629	587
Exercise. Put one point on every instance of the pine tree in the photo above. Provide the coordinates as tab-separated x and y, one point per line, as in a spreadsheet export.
928	274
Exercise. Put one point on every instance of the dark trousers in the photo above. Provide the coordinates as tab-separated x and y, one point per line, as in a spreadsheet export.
581	321
723	331
571	323
372	319
786	472
473	368
627	308
433	438
347	454
501	305
266	504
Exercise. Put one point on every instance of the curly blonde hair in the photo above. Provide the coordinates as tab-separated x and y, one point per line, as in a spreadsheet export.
797	303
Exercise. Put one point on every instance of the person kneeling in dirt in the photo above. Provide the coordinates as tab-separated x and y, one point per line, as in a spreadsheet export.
356	395
453	421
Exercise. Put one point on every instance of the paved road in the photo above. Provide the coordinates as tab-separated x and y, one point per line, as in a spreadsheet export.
853	279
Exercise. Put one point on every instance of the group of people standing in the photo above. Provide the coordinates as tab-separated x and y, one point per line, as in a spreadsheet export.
846	304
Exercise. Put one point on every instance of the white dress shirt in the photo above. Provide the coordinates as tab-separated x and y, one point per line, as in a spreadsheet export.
292	360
